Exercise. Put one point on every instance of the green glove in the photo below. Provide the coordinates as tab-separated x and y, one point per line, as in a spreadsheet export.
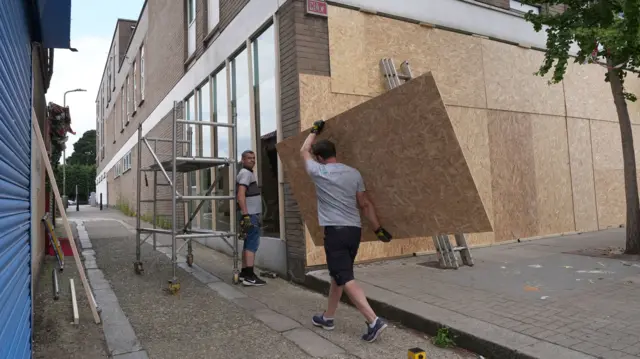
245	222
383	235
317	127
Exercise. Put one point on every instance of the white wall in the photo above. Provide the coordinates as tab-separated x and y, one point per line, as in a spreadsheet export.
102	188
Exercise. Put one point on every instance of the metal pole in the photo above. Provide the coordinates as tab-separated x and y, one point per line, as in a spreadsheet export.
139	192
77	202
101	201
174	149
155	195
56	287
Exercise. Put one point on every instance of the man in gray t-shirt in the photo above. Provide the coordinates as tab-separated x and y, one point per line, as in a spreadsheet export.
341	195
250	208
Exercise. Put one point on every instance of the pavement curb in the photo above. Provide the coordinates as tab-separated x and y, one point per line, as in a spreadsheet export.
472	334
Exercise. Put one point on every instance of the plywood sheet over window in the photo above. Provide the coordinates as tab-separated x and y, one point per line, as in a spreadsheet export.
553	174
584	196
404	145
511	85
471	126
359	41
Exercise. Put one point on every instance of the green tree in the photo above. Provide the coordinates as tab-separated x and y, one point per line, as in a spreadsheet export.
81	175
606	32
84	150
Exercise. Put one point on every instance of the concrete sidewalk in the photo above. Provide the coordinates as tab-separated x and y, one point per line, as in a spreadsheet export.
211	318
565	297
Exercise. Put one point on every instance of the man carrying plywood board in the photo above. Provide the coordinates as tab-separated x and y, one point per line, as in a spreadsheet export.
341	193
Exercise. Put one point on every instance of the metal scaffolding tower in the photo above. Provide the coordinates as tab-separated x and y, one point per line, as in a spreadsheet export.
182	162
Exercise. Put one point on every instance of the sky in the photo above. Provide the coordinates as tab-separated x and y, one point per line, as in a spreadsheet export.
92	25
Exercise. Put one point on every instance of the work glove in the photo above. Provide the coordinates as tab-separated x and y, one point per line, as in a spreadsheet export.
317	127
245	222
383	235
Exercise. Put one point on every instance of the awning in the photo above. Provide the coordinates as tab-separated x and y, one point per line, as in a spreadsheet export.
55	23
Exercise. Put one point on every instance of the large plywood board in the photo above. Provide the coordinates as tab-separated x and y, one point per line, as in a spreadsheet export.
404	145
553	174
587	94
358	42
610	198
583	185
513	175
606	145
471	126
319	102
511	84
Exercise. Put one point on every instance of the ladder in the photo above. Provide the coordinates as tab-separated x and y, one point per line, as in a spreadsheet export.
446	252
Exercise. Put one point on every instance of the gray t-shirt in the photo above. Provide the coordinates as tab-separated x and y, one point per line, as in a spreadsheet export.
247	179
336	188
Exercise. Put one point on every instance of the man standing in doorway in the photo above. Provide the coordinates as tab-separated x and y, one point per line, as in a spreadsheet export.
250	204
341	193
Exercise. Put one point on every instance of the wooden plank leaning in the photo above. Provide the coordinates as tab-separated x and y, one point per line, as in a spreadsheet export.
65	221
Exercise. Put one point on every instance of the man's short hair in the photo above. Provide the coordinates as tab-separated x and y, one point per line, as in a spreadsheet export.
325	149
245	153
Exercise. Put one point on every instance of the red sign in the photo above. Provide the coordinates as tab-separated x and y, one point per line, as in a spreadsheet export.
317	7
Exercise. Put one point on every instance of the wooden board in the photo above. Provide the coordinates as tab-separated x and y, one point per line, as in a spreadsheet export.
358	41
513	175
511	84
584	195
405	146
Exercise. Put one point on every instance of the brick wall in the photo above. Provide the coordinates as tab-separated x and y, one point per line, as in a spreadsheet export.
304	48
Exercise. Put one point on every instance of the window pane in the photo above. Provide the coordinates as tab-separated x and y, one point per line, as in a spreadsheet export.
265	79
221	115
242	103
264	69
222	215
205	115
190	129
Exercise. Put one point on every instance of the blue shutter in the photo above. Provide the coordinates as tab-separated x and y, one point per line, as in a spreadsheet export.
15	187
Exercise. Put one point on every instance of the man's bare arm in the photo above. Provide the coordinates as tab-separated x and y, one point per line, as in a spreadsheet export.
305	150
242	199
367	209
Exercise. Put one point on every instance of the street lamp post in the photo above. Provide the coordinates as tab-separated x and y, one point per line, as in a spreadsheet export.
65	200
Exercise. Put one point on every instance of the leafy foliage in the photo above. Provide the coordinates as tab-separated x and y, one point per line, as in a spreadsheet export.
84	150
601	29
82	175
443	339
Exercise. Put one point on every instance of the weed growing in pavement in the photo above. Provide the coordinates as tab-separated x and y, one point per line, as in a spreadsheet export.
443	339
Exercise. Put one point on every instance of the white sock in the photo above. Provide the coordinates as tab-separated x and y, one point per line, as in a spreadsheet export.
373	324
326	318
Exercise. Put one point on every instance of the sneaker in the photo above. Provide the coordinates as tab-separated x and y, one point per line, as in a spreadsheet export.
319	321
373	333
253	281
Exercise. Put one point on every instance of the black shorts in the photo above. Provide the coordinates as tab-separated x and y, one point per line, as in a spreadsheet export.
341	247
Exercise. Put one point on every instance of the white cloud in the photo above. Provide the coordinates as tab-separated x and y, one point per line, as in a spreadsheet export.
82	69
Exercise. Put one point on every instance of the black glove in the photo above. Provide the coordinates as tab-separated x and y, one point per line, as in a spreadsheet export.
383	235
317	127
245	222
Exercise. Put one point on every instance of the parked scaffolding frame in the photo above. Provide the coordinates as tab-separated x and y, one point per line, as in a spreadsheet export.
181	163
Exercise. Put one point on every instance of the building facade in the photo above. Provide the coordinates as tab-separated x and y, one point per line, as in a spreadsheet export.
537	152
30	30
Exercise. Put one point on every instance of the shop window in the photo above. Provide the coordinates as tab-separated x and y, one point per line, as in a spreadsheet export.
221	209
205	150
264	65
241	102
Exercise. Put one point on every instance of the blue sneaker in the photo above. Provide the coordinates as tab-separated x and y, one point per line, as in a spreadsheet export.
319	321
373	333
